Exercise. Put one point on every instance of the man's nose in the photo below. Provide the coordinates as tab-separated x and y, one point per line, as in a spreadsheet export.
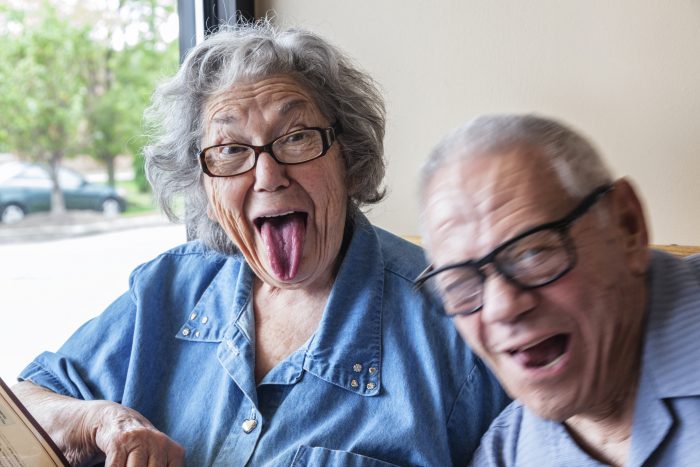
504	301
270	175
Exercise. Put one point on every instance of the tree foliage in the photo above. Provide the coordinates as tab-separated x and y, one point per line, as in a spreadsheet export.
121	80
41	90
78	84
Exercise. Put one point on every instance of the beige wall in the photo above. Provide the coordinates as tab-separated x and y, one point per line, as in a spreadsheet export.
625	72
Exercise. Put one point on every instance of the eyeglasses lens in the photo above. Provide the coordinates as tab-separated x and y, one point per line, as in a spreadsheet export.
533	261
229	160
536	259
299	146
459	288
292	148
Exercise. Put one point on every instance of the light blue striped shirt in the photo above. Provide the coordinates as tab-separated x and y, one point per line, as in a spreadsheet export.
666	427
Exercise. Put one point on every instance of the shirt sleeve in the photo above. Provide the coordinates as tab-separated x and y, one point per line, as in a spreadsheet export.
498	446
479	401
93	363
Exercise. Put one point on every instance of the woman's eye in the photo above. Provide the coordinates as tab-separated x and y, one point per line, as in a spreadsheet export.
295	138
233	150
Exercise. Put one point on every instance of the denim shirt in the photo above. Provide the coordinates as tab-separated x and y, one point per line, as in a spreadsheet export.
385	380
666	425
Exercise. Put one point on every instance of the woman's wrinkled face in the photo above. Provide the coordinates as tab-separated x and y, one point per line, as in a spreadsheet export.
287	220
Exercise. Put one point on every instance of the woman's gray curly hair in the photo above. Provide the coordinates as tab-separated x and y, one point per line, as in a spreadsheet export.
248	53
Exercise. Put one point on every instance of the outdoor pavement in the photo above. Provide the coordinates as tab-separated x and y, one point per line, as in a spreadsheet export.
55	275
44	226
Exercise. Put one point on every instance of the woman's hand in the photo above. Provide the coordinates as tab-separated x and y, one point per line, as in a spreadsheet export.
92	431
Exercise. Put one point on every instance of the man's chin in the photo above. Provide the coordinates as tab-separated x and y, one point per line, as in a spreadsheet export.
550	406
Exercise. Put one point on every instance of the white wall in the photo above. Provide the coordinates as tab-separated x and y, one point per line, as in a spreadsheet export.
624	72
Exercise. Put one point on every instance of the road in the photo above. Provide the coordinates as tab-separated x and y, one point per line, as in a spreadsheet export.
48	289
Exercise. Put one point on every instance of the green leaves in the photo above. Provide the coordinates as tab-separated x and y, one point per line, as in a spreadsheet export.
78	83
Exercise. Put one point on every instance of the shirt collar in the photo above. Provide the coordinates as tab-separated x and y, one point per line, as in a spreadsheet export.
221	305
671	351
346	348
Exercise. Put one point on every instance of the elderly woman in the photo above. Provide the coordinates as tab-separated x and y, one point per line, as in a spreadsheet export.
289	332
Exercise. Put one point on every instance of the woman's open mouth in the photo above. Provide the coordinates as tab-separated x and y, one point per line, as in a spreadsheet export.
542	354
283	235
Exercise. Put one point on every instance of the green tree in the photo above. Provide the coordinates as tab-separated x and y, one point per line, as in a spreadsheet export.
42	89
121	78
79	82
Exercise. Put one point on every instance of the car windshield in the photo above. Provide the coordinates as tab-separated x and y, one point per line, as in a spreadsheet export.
9	170
69	180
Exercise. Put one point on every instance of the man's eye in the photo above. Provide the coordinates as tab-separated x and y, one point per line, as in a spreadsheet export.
534	254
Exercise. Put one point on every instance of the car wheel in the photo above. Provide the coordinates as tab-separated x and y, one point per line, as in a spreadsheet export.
12	214
111	207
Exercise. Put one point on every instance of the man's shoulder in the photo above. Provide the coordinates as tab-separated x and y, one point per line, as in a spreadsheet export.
499	444
671	353
693	263
674	289
507	424
683	272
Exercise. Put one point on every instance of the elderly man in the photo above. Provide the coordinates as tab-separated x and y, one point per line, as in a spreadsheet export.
542	260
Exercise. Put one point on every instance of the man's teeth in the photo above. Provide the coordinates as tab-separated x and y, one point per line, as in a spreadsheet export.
530	345
553	362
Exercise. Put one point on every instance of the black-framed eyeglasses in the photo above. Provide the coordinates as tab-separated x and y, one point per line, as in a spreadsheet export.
532	259
297	147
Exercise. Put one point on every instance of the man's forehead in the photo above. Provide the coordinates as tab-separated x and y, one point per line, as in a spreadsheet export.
492	179
492	197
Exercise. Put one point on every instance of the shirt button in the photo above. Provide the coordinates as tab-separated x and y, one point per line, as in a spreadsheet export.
249	425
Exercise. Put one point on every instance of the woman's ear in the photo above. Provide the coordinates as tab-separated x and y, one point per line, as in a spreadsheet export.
210	209
210	213
628	218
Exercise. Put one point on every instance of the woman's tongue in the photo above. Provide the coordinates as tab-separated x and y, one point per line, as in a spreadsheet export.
283	237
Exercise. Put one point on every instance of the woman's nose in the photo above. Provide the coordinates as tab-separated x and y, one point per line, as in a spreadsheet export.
504	301
270	175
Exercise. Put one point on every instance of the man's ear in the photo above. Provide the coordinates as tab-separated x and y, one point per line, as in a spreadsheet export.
628	218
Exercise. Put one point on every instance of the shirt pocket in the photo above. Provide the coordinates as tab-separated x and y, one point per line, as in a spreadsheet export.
307	456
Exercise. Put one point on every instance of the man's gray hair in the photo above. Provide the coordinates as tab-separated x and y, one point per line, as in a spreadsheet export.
248	53
573	158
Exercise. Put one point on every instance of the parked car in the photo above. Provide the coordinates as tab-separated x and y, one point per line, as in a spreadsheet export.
26	188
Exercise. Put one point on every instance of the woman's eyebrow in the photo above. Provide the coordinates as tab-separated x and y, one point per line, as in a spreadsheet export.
290	105
226	119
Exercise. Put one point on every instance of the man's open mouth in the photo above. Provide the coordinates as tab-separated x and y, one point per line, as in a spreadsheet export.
283	235
544	353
